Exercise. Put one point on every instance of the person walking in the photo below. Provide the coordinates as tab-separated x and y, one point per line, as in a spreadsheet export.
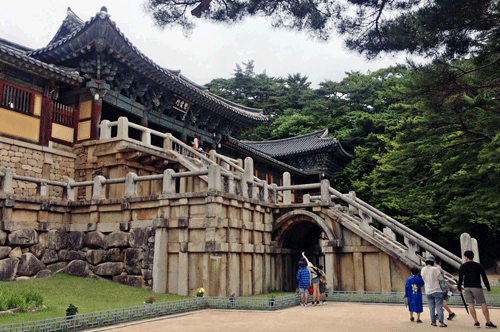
315	275
303	279
413	294
322	285
470	273
451	314
431	276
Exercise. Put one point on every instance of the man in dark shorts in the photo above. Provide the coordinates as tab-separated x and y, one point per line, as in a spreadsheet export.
470	274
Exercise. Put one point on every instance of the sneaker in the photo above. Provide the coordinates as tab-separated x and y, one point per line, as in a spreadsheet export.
419	321
324	302
412	319
451	316
490	325
477	325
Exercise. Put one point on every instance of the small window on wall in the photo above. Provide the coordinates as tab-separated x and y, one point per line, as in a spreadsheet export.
16	99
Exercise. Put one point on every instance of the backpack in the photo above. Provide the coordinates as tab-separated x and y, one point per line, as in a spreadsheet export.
322	279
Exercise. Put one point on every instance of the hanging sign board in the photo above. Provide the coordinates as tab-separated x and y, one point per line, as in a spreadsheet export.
181	104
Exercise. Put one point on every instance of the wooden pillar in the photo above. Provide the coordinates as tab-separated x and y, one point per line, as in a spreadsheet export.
46	121
96	118
359	275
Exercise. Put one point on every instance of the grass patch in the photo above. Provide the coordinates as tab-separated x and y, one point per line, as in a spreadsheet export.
495	290
88	295
273	294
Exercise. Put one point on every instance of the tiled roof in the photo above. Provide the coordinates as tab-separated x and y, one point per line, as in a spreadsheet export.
143	65
254	153
305	144
17	54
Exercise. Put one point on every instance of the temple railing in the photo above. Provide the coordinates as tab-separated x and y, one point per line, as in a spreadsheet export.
414	241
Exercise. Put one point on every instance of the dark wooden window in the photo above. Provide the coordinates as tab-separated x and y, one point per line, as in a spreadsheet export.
63	114
17	99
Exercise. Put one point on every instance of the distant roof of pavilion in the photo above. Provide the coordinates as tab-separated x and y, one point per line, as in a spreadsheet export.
257	154
315	142
75	37
17	54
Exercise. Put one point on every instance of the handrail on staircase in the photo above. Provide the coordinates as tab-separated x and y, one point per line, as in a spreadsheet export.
401	229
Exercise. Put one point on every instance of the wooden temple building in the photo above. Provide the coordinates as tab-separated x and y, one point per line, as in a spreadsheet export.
56	97
98	179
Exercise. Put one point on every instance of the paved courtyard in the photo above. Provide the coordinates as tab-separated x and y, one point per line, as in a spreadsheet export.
334	316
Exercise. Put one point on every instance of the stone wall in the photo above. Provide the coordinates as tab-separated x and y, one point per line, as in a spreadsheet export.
32	160
121	256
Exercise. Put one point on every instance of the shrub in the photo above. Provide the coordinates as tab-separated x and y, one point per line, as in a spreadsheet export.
34	299
72	310
150	299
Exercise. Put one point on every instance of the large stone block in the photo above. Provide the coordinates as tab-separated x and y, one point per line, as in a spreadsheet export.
116	255
134	281
57	266
56	239
75	240
50	256
116	240
44	274
95	257
109	269
3	237
94	240
4	252
24	238
37	250
77	268
16	253
63	254
133	260
29	265
138	237
8	268
74	255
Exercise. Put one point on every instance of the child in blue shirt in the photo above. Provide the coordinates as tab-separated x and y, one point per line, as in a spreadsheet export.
413	294
303	279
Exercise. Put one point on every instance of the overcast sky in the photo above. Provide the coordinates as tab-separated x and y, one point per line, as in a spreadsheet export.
211	52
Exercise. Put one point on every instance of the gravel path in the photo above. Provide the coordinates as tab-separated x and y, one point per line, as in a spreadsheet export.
334	316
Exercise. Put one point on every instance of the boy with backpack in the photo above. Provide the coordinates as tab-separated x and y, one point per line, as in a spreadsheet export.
303	279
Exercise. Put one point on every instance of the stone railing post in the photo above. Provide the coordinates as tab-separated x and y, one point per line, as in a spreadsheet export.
468	243
389	233
211	155
214	179
105	129
413	248
98	191
306	199
6	181
325	192
41	189
167	142
366	220
69	192
146	136
130	185
265	196
287	194
352	208
168	182
122	131
232	184
274	193
248	177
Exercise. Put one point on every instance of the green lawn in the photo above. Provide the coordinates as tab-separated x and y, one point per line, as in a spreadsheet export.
88	295
495	290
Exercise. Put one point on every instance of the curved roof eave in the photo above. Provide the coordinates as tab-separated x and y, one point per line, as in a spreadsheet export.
169	76
12	55
235	143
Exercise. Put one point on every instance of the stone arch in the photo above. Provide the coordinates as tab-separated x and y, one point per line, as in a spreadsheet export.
289	219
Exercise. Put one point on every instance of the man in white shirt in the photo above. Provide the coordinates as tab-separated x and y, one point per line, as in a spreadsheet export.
431	276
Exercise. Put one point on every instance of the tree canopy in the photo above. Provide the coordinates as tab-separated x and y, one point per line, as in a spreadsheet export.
433	28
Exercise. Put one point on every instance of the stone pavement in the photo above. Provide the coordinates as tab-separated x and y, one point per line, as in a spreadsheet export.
334	316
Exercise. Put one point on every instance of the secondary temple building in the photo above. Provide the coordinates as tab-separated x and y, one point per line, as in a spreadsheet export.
98	179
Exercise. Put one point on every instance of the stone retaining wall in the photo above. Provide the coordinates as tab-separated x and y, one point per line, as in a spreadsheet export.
32	160
121	256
